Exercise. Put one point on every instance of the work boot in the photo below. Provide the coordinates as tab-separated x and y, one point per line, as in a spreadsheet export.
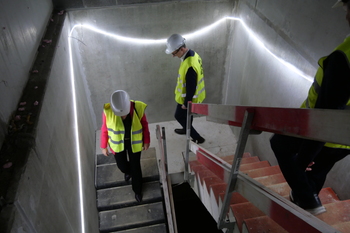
312	205
200	140
138	197
127	177
180	131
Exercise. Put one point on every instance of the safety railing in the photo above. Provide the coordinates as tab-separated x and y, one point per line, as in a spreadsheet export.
166	181
317	124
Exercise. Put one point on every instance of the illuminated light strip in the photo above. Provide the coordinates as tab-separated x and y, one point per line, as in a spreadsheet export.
195	34
121	38
148	41
76	131
287	64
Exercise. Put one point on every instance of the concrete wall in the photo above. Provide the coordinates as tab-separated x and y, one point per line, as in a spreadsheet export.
47	195
299	32
144	70
22	24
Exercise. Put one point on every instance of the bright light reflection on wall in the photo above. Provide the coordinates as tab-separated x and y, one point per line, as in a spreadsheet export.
149	41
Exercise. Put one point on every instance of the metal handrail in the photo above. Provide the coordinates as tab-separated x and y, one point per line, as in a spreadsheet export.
304	123
166	181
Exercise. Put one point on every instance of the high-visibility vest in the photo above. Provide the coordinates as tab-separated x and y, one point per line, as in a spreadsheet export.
316	86
116	130
180	90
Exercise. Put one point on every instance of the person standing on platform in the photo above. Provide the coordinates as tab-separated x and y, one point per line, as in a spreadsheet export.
190	82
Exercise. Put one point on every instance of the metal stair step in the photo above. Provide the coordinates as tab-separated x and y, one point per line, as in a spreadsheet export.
342	227
132	217
262	224
263	171
337	212
158	228
109	175
327	195
271	179
205	173
247	158
198	167
244	160
282	189
123	196
210	181
244	211
103	160
256	165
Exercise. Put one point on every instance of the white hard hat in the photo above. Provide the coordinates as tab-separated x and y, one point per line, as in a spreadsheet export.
340	3
120	103
174	42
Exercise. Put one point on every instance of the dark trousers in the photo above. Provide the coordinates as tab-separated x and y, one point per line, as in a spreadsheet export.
129	163
181	117
304	183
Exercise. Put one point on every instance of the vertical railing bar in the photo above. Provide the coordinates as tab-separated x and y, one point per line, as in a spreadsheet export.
243	137
164	150
188	138
165	180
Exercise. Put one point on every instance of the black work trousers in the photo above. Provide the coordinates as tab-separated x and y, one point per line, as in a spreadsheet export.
304	183
129	163
181	117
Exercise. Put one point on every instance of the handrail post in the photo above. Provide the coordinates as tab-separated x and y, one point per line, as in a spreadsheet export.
188	138
165	150
243	137
166	182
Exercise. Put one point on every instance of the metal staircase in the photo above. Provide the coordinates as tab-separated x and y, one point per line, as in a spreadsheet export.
209	185
118	209
244	194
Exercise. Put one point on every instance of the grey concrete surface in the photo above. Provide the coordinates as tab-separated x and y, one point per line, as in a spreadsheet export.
219	140
118	197
237	71
144	70
122	218
50	184
22	26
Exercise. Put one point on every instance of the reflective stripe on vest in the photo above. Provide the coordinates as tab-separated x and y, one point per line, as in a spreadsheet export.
180	90
116	131
316	86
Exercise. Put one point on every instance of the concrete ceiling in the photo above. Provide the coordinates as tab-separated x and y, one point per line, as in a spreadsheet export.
81	4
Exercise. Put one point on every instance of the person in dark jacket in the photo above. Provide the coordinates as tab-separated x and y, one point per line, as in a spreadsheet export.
306	163
190	82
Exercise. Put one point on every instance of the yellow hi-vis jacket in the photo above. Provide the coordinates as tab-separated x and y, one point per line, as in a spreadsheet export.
180	90
316	86
116	129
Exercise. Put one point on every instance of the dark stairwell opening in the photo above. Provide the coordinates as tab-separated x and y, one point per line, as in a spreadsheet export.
191	214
